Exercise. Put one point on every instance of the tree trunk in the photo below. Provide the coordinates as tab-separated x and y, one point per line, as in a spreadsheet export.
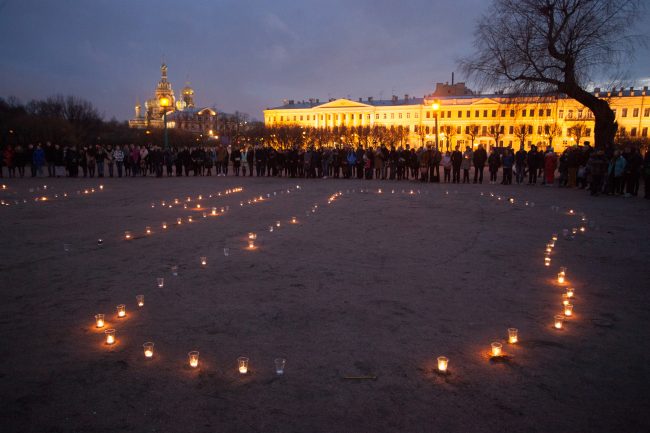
605	126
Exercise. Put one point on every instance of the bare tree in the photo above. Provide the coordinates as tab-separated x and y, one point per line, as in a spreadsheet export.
551	131
450	133
522	132
545	46
472	132
577	131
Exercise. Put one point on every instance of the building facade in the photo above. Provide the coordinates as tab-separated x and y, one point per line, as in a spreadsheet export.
181	112
465	118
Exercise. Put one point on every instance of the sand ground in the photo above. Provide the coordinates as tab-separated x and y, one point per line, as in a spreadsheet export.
369	285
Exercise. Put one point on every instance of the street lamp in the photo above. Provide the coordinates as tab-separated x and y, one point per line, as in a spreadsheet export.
436	107
164	103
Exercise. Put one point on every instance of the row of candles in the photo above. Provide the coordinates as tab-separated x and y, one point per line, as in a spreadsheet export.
43	198
193	356
188	200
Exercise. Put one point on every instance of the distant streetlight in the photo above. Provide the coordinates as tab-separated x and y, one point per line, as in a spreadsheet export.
164	103
436	107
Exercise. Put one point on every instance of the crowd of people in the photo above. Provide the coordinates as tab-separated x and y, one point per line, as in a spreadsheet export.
578	166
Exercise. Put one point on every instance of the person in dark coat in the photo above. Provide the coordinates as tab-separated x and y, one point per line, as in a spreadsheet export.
456	161
494	162
531	161
479	159
235	157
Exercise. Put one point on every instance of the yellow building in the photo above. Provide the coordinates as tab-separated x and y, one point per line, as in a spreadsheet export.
465	118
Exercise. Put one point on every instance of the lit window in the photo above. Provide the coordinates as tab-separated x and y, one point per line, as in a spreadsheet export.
644	132
646	112
635	113
532	113
460	114
548	112
512	113
494	113
624	112
523	113
511	130
633	132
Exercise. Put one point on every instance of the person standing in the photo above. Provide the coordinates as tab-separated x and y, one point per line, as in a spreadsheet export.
235	157
446	167
100	156
118	157
494	162
531	161
646	174
466	163
550	164
597	165
479	159
50	159
633	173
38	160
520	164
508	161
456	161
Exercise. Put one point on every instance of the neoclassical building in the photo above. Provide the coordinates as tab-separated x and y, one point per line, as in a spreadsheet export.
181	112
466	118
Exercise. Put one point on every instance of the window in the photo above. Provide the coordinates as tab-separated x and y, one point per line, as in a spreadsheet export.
523	113
511	130
503	113
646	112
294	118
384	115
512	113
460	114
569	114
624	112
560	114
442	114
368	116
530	129
336	117
635	113
417	115
281	118
502	129
469	113
392	115
644	132
588	131
540	113
428	115
467	130
579	114
547	129
484	113
458	130
301	118
539	130
494	113
477	113
408	115
427	130
400	115
321	117
484	130
633	132
531	113
548	112
448	114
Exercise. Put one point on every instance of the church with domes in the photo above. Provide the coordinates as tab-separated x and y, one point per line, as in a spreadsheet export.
181	113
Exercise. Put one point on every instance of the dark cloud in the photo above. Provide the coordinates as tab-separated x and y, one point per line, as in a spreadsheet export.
239	54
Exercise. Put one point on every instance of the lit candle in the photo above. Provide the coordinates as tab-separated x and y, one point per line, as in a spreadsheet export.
164	226
570	292
101	186
513	335
252	236
558	321
204	260
251	244
568	309
121	310
140	300
443	363
127	235
148	349
560	278
277	223
189	218
99	320
565	299
582	229
548	248
193	358
379	191
271	229
571	211
294	220
574	230
148	230
496	349
161	282
179	221
205	214
110	336
242	364
554	237
214	211
175	270
547	261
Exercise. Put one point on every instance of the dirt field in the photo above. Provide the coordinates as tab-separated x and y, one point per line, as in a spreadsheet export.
372	286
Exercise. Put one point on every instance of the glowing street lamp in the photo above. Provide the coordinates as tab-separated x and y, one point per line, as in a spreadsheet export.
164	103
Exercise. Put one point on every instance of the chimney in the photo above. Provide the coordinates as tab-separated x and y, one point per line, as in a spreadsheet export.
645	90
317	101
369	98
394	98
406	97
631	91
291	101
359	99
452	78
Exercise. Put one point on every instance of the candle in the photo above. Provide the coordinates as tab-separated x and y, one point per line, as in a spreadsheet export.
379	191
251	244
161	282
571	211
127	235
558	321
496	349
574	230
205	214
204	260
271	229
110	336
179	221
560	278
148	230
101	186
214	211
277	223
121	310
189	218
565	299
512	335
193	357
582	229
140	300
175	270
570	292
443	363
242	364
148	349
252	236
568	309
279	366
548	248
547	261
99	320
164	226
294	220
554	237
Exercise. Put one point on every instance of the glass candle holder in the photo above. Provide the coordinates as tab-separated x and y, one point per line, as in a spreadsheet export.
560	278
549	248
252	236
242	365
547	261
148	349
139	299
294	220
147	230
574	230
121	310
204	260
558	320
552	243
571	212
164	226
583	229
279	366
110	336
443	363
565	299
251	245
128	235
99	320
513	335
161	282
179	221
554	236
100	242
563	270
189	219
496	349
193	358
213	212
568	309
277	223
570	292
205	214
270	229
226	252
175	270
